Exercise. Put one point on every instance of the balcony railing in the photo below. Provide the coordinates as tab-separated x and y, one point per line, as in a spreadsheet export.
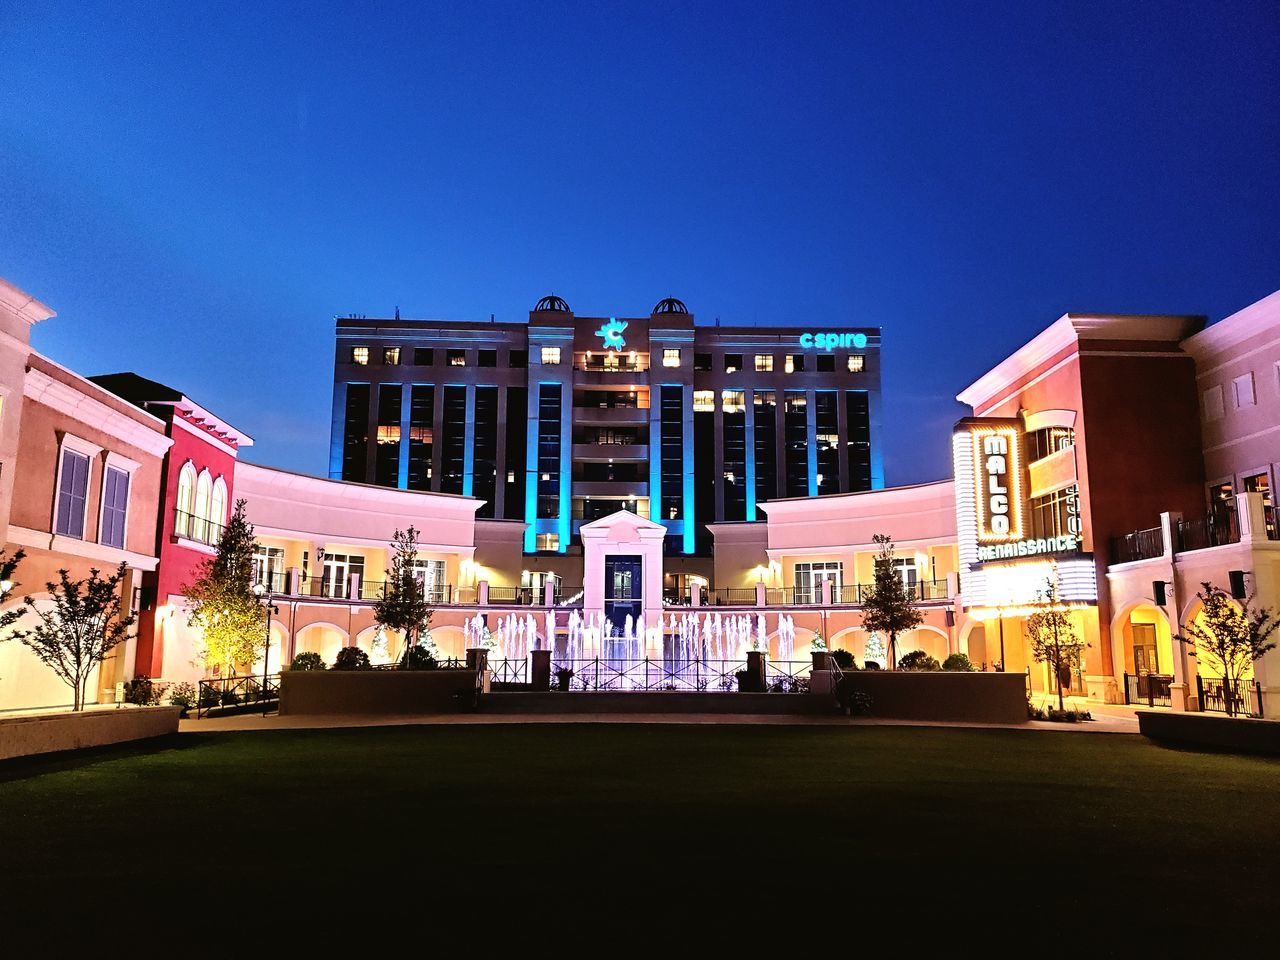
922	590
196	528
1139	545
1214	530
613	363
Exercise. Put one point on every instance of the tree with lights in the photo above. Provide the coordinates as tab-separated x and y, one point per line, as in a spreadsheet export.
1053	636
1229	638
78	632
223	604
889	607
403	606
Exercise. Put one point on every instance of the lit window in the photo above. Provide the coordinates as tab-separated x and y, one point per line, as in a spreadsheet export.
360	355
457	358
733	401
391	356
389	433
789	364
511	476
420	434
671	357
704	401
856	362
547	542
764	363
550	355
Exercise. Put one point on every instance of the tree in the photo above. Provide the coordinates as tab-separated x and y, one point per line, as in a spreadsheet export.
1053	636
403	606
223	604
889	608
1228	637
76	634
8	566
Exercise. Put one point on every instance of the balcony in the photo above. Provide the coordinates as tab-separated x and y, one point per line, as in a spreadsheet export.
620	489
617	452
1215	530
609	416
1139	545
191	527
613	363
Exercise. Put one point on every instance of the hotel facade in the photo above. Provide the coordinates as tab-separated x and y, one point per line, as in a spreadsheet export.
1127	458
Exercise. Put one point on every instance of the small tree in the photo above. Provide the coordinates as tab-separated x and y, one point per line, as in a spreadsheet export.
889	608
1228	637
223	604
1053	636
404	606
75	635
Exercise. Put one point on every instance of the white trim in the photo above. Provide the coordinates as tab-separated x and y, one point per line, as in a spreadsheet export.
90	451
195	545
94	413
1248	436
213	440
38	539
986	406
1236	358
121	463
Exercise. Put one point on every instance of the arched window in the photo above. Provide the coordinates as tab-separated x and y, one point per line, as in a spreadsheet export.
217	510
200	523
186	491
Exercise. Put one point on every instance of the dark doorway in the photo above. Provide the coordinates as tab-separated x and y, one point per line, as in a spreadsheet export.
623	594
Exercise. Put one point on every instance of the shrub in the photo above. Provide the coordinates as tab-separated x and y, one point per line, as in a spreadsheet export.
959	663
1054	715
210	697
307	661
870	665
419	657
917	660
351	658
141	691
183	695
853	702
844	659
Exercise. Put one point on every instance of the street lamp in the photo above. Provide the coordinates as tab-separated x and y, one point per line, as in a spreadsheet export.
263	592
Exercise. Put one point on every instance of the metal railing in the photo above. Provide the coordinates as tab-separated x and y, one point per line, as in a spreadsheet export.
598	673
1149	688
196	528
1244	699
509	671
224	693
1138	545
523	596
613	363
734	596
1215	530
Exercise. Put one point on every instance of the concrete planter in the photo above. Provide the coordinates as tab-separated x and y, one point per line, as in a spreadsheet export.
966	697
1212	731
317	692
27	736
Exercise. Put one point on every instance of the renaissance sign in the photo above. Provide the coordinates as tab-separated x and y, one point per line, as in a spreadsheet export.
1034	547
832	341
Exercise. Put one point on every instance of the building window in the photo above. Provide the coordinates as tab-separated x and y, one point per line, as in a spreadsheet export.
355	432
73	489
454	442
548	543
1048	441
549	422
456	358
826	363
732	362
360	355
1242	390
421	420
518	359
186	492
268	567
671	447
1222	498
765	427
670	356
217	509
423	356
1056	514
857	426
734	453
484	450
764	363
809	578
702	362
386	454
1212	406
391	356
550	356
794	362
487	358
795	425
704	401
515	413
856	362
733	401
827	441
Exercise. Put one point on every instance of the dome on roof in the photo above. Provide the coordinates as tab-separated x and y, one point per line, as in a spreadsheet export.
551	304
670	305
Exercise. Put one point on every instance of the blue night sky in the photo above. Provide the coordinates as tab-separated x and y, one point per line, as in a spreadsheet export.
198	190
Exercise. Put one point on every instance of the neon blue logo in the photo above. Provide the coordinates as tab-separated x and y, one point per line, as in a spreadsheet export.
830	341
611	334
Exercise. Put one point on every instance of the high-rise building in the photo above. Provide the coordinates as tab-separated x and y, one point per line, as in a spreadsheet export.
682	424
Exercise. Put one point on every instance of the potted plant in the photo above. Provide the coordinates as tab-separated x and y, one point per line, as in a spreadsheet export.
563	676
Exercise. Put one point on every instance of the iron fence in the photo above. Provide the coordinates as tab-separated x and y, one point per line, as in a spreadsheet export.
657	675
196	528
224	693
735	596
1149	688
1139	545
509	671
1211	531
1243	699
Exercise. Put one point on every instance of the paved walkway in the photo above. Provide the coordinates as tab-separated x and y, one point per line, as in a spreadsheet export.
1122	720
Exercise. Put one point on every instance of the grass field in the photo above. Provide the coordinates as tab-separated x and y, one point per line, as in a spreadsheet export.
1096	835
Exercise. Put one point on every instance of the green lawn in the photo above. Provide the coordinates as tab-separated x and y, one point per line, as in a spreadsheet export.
1093	834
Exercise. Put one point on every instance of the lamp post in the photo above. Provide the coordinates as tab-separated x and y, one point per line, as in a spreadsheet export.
263	592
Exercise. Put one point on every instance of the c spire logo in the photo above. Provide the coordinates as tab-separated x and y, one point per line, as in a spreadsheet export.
611	334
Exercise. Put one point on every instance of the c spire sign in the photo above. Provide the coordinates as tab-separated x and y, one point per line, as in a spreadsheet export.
611	334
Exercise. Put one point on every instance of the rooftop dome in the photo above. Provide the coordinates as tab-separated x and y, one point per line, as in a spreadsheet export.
670	305
551	304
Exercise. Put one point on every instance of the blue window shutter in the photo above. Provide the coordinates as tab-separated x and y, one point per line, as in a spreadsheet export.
71	494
